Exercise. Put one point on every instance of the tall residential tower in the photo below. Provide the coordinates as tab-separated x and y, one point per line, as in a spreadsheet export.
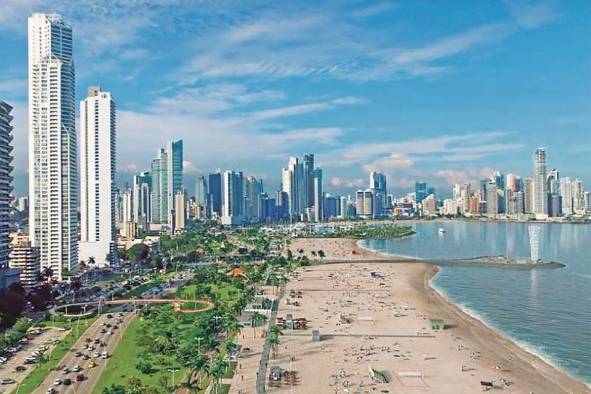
97	177
53	177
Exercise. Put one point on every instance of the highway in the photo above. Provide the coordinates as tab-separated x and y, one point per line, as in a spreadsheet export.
91	375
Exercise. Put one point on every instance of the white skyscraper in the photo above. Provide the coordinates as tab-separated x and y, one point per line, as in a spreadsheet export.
97	177
540	188
53	177
318	196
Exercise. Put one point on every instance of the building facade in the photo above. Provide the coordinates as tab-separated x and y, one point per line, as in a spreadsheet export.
53	177
5	181
97	177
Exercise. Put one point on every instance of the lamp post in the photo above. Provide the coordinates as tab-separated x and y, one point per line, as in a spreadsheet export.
173	371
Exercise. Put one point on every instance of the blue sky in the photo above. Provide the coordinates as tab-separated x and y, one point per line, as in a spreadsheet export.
440	91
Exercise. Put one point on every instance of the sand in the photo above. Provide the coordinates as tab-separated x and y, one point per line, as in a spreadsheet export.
383	322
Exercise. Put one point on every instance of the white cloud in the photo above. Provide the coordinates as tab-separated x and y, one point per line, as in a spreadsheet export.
347	183
190	168
372	10
532	14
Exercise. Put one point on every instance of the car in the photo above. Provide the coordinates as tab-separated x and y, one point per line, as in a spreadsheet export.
76	368
3	360
65	370
78	354
95	355
57	382
103	331
80	377
62	329
51	390
67	382
109	316
91	364
96	341
20	368
104	355
111	332
7	381
86	357
12	350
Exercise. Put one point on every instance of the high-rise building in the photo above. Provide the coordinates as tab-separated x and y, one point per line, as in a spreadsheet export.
25	257
528	194
97	177
364	203
429	205
377	182
233	204
53	177
553	182
512	182
142	200
420	191
282	204
167	179
215	193
308	175
5	181
201	191
540	196
180	210
318	196
492	199
252	190
292	182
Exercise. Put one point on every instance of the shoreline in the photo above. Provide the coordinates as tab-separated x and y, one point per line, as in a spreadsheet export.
526	361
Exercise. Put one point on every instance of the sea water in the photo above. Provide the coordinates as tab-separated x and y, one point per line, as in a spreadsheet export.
546	311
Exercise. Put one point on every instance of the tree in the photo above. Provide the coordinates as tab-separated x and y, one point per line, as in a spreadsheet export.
138	252
144	367
321	254
114	389
255	319
217	370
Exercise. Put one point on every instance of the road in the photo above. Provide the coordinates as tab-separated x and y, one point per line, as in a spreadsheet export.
70	360
8	370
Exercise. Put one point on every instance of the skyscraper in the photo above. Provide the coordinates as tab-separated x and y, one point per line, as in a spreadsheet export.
97	177
53	178
540	190
5	181
420	191
180	210
215	193
308	167
318	196
201	191
252	190
233	203
142	204
167	179
377	182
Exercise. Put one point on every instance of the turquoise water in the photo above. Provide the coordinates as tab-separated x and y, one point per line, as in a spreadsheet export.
546	311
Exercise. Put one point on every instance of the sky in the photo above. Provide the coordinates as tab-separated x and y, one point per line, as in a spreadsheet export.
434	91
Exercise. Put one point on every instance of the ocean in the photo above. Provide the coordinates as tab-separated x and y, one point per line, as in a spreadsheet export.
546	311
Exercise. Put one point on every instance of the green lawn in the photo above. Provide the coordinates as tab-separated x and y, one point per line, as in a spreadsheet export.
38	375
121	365
230	371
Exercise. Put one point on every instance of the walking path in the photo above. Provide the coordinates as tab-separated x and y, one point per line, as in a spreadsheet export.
262	372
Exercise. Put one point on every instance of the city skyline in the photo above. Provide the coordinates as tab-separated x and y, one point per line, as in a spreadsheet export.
413	118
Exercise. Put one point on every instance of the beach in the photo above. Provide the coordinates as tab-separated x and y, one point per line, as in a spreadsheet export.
375	318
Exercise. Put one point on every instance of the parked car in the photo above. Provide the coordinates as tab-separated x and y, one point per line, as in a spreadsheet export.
67	382
7	381
20	368
80	377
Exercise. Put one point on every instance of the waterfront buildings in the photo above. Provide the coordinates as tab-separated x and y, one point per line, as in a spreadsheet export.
318	196
253	188
215	193
97	177
5	181
364	204
53	177
540	189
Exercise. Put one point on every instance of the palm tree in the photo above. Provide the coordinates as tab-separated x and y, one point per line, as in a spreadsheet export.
255	319
274	342
195	364
217	370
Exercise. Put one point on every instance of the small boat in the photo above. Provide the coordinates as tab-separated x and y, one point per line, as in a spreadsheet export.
441	230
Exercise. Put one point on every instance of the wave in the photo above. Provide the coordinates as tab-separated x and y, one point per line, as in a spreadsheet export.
527	346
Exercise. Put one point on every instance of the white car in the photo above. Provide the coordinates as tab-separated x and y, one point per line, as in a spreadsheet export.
57	382
76	368
7	381
3	360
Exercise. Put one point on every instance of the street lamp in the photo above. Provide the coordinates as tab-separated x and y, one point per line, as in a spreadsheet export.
173	371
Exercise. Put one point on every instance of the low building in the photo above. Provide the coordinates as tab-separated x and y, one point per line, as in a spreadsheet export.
25	258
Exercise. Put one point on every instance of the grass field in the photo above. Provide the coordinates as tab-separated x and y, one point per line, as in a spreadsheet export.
38	375
121	366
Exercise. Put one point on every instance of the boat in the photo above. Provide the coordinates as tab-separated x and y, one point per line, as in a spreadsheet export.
441	230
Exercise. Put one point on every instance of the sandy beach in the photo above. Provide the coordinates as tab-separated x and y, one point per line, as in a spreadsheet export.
382	321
